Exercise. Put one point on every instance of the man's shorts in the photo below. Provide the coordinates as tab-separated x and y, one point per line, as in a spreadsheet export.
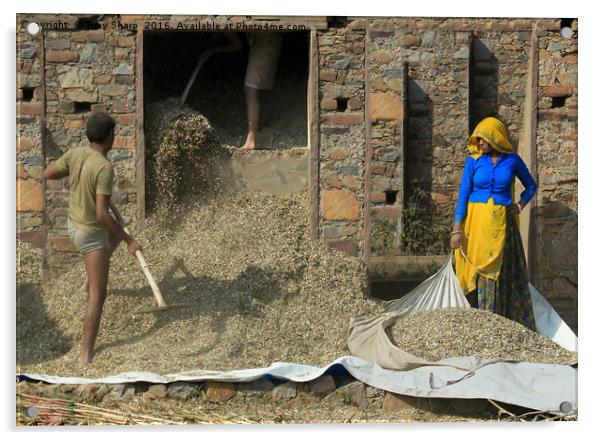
86	242
263	60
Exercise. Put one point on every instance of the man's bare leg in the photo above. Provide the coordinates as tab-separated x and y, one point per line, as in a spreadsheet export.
253	110
97	267
113	243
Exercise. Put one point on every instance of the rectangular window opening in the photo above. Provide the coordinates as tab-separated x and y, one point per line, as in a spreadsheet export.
27	93
558	101
83	107
390	197
342	104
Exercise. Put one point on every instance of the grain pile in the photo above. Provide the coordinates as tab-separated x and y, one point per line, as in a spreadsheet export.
443	333
261	291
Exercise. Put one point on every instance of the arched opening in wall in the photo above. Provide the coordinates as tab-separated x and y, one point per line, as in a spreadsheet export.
218	93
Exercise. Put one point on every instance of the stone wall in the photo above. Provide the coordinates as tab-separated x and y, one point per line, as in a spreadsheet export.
427	71
556	212
88	71
30	154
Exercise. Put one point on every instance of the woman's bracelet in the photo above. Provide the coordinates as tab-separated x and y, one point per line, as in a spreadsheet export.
455	232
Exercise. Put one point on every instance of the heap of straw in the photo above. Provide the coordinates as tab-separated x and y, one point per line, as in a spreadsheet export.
260	290
443	333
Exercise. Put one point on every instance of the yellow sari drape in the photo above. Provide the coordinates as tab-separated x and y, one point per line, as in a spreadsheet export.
485	235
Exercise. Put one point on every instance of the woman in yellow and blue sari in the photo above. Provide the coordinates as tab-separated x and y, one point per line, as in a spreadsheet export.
490	259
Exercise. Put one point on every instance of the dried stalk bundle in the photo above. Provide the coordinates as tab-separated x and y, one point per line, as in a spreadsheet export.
262	291
506	415
443	333
70	412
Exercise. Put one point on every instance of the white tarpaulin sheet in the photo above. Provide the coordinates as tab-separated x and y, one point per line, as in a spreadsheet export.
543	387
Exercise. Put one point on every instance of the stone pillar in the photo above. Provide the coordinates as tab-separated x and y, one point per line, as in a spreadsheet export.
342	140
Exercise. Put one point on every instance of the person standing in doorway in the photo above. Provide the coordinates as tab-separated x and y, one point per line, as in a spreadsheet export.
261	72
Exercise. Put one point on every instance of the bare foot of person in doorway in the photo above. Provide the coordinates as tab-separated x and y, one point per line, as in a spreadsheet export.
250	142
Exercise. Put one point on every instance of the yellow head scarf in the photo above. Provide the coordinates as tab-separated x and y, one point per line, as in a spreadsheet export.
492	131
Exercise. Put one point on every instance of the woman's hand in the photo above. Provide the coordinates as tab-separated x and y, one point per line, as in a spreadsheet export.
513	209
456	240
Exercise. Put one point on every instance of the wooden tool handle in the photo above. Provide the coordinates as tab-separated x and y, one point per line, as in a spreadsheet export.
149	277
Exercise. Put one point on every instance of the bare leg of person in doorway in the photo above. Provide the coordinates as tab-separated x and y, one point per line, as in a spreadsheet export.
253	110
97	268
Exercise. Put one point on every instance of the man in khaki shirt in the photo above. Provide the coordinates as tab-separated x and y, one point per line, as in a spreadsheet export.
94	232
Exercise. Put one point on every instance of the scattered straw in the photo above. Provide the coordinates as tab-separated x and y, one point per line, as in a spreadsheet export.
29	263
438	334
70	412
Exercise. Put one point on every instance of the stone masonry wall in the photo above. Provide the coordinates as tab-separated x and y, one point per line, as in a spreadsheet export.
342	138
445	67
556	213
422	143
29	154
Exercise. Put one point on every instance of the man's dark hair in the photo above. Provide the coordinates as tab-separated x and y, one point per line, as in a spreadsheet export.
99	126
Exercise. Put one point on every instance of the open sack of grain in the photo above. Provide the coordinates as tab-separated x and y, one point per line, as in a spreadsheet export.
434	322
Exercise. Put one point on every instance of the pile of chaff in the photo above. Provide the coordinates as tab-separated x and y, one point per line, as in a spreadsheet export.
443	333
261	291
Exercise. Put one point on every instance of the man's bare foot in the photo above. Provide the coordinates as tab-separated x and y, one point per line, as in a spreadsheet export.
250	142
84	359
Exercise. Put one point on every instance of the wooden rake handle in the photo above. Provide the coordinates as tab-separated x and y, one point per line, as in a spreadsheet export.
149	276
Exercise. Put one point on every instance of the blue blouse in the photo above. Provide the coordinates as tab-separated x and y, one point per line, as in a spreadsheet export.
483	179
